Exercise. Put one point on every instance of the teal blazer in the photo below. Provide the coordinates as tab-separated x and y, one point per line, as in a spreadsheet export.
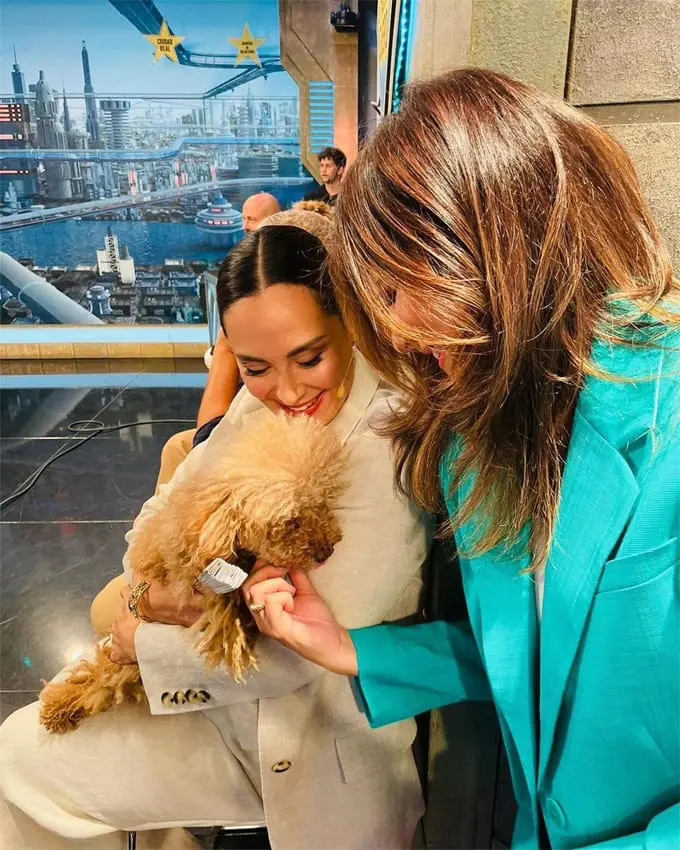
588	698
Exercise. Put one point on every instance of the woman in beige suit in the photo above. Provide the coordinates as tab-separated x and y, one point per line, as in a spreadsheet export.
290	748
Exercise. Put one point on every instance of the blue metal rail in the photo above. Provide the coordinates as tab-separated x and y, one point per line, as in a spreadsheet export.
141	154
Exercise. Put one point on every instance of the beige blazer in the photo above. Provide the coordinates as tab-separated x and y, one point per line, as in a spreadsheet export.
327	779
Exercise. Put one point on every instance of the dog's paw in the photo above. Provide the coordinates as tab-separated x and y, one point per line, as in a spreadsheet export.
59	717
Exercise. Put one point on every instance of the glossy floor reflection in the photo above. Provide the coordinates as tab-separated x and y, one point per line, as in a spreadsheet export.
64	540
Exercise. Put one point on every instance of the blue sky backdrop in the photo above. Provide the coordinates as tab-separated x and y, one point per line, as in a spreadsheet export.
48	36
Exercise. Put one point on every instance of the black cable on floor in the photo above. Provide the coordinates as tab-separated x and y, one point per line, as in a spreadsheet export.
93	428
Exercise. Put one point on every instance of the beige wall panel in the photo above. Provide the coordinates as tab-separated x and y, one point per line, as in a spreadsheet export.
625	50
442	37
655	149
528	39
306	36
307	53
346	93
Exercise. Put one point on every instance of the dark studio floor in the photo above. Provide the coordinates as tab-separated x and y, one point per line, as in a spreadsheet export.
62	541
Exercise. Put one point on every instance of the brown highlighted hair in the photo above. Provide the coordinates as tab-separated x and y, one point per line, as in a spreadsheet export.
515	226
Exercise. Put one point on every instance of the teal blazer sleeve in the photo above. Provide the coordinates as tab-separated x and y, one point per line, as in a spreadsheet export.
662	833
407	670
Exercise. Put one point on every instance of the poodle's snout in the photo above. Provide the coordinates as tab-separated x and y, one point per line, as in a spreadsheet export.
322	552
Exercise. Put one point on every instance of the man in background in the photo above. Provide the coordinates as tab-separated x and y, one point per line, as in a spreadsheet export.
257	208
332	163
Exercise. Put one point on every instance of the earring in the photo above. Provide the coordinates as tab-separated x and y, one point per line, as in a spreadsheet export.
341	391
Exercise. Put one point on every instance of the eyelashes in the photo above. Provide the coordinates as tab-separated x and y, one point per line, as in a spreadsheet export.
310	364
306	364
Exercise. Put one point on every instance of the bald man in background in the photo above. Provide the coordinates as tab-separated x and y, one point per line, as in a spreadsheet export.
257	208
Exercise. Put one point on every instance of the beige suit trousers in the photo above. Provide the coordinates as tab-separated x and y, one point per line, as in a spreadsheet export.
201	782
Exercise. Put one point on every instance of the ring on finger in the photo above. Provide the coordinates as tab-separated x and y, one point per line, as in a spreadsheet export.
256	608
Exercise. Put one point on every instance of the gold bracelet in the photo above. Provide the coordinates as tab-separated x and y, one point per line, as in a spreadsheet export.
135	598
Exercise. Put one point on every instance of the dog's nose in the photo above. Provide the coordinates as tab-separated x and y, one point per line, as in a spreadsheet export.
322	552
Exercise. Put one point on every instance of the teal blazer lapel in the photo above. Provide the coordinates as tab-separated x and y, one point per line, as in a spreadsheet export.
597	496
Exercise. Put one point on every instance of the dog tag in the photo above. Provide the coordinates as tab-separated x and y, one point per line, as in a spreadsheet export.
222	577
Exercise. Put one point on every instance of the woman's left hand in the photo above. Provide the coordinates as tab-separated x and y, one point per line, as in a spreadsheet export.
123	632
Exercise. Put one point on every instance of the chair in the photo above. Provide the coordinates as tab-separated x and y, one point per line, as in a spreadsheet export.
223	838
211	308
256	838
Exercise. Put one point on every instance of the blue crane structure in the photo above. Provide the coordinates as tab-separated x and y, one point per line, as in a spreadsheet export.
146	17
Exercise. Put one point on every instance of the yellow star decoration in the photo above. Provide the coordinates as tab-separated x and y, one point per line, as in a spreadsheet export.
247	46
165	43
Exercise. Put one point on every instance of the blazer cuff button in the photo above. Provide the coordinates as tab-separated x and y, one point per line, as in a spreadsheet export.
197	697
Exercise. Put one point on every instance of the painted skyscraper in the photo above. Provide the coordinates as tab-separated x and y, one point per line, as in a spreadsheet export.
51	137
66	118
116	122
19	174
18	82
74	139
92	122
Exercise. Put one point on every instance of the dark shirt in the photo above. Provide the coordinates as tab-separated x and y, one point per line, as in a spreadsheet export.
205	431
321	194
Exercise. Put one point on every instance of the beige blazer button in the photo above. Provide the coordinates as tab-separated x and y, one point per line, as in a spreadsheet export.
282	766
197	697
179	698
166	698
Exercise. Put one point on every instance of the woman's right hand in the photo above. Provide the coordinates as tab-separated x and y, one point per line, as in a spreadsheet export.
298	617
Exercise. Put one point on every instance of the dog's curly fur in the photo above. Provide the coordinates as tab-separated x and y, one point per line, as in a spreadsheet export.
270	495
326	210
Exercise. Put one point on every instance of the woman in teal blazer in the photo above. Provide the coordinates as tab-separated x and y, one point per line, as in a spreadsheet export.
498	240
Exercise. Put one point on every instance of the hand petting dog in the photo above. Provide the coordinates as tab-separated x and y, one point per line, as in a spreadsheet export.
296	616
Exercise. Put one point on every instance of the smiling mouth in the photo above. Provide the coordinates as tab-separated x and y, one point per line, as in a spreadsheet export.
307	409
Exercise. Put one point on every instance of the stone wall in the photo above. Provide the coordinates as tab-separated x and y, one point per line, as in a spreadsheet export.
624	70
618	60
